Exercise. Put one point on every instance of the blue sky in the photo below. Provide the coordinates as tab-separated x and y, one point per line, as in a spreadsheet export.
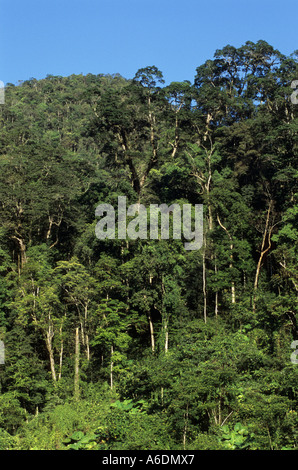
64	37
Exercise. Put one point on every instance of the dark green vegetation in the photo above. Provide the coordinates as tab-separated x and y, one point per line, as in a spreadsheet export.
140	344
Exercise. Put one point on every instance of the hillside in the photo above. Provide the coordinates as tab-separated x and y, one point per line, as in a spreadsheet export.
122	343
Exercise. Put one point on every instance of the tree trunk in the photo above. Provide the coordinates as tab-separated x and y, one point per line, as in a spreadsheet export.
233	293
61	355
151	332
216	292
49	338
86	334
185	426
21	252
176	141
266	236
111	368
77	365
166	336
87	348
204	280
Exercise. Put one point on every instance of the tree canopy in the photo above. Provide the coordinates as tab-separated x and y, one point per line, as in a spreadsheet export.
138	343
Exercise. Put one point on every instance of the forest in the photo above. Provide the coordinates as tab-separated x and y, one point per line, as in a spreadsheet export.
140	344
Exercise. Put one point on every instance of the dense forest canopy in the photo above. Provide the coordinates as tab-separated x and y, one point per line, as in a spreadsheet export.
141	344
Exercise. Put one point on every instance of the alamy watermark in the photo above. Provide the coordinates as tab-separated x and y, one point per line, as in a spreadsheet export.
2	93
294	355
2	352
294	95
187	221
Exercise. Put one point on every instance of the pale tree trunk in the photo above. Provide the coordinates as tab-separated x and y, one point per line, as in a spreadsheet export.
185	427
217	415
151	328
151	332
61	354
233	294
77	365
166	336
209	154
22	258
49	337
176	141
164	320
151	118
216	293
204	280
205	183
57	224
204	180
83	322
87	348
266	236
86	334
111	368
216	304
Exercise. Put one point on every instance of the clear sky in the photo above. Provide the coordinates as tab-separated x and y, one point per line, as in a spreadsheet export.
64	37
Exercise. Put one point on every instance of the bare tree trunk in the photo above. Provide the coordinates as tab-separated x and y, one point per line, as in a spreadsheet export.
204	279
61	355
233	293
166	336
266	236
87	348
49	337
152	133
54	221
151	322
50	227
164	319
151	332
77	365
22	252
216	293
176	142
111	368
204	181
86	334
185	426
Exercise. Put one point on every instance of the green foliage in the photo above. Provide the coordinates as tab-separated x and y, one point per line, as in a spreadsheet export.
141	344
7	442
81	441
237	438
11	413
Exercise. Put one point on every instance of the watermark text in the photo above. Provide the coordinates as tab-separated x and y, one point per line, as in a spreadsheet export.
186	221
